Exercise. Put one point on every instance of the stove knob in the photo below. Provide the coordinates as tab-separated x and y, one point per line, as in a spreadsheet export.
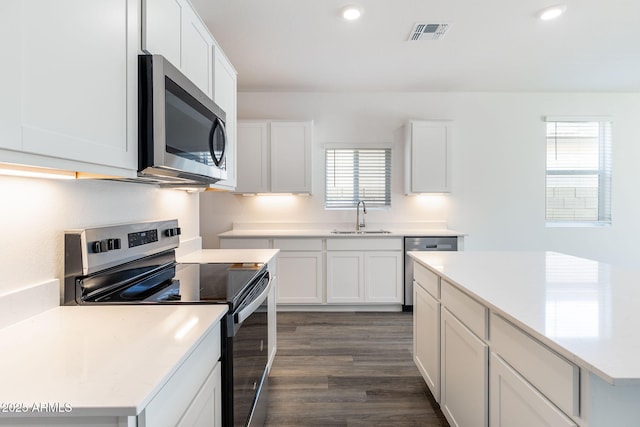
117	244
95	246
178	231
104	246
169	232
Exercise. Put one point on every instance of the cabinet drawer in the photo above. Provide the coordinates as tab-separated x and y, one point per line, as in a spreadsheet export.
298	244
469	311
427	279
364	244
514	402
552	374
242	243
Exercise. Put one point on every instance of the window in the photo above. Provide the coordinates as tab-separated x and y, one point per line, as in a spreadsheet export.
354	174
578	171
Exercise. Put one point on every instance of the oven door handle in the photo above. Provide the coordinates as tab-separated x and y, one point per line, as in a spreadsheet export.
242	315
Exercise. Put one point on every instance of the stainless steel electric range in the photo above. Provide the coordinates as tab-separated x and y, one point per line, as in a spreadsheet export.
136	264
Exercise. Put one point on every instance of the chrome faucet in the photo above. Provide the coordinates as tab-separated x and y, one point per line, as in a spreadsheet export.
359	223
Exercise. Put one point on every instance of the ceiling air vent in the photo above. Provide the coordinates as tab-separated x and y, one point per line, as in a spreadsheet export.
423	31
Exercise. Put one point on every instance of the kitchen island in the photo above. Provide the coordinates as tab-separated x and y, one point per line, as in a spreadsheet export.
528	338
111	365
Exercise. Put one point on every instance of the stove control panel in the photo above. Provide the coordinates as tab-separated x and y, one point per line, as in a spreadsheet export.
98	248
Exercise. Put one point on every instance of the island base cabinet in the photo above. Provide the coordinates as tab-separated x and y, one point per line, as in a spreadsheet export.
206	408
426	338
516	403
191	391
464	374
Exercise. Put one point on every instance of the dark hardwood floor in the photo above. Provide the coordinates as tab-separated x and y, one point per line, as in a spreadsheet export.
348	369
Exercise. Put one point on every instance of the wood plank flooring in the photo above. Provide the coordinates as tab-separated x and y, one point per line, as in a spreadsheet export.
348	369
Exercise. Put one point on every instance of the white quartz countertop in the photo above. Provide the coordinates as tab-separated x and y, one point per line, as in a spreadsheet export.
207	256
323	233
99	360
586	310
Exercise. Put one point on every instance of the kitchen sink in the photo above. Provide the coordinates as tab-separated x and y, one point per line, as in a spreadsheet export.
361	232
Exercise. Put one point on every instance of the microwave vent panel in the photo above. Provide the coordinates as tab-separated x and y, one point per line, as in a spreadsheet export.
424	31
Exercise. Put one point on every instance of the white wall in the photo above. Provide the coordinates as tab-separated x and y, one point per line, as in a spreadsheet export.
35	213
498	175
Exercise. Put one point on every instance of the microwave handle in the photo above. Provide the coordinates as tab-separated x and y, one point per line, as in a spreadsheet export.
217	122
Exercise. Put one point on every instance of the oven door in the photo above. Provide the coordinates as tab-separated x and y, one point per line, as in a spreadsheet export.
249	360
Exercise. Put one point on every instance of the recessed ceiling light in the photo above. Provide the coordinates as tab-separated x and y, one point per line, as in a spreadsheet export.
351	12
552	12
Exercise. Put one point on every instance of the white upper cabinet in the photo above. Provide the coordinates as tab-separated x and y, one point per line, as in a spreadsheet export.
225	95
274	157
197	51
162	29
291	157
427	157
252	160
71	89
173	29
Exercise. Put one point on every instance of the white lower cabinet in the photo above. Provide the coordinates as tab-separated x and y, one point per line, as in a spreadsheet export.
516	403
464	374
364	271
192	396
383	276
206	408
300	277
355	277
485	370
426	337
345	277
342	271
300	271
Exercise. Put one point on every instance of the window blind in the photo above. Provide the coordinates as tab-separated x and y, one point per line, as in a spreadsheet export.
354	174
578	171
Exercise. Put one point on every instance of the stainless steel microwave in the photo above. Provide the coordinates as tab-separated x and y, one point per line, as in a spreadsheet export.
182	138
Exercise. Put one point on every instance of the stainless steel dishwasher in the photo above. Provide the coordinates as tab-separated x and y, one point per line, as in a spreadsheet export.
424	243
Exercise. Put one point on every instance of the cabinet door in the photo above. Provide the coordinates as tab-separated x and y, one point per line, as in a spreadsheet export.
291	157
299	277
515	402
383	277
79	80
251	160
225	95
429	157
197	51
345	279
426	338
464	374
206	408
11	22
162	29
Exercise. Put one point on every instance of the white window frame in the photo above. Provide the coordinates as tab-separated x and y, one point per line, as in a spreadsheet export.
351	203
603	171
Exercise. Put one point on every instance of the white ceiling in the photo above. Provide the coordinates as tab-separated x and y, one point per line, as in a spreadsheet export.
491	45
